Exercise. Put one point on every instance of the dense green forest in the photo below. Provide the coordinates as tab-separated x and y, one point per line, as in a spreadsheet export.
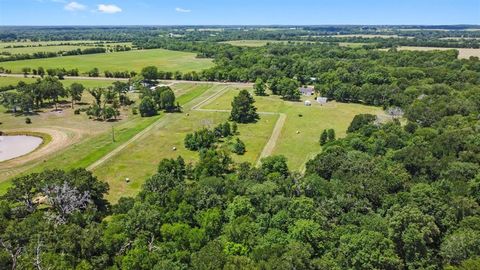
397	194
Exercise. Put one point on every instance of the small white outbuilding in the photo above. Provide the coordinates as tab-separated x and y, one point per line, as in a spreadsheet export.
322	100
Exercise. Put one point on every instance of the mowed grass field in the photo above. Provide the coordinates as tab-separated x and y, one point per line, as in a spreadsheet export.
309	122
139	160
135	60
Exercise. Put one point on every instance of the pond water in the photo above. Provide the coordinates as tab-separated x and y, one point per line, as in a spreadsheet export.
15	146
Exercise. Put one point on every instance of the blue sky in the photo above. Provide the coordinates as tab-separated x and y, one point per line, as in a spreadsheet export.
235	12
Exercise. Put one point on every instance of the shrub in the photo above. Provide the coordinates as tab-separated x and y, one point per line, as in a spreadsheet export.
28	120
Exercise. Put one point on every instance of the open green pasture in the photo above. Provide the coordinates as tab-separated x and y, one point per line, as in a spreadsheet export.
135	60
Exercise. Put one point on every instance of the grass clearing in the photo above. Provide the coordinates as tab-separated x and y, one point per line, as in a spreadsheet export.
135	60
462	52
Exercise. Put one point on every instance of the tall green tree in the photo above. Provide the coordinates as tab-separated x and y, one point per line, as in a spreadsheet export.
53	89
150	73
323	137
243	110
259	87
75	92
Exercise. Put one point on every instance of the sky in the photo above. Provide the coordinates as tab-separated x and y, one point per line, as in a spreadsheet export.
238	12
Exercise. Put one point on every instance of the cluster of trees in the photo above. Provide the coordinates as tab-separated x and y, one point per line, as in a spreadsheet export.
151	73
285	87
161	98
108	101
49	91
119	74
205	138
29	97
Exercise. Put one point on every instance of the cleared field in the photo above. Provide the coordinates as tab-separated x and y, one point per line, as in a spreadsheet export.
463	52
135	60
308	121
261	43
254	43
367	36
140	159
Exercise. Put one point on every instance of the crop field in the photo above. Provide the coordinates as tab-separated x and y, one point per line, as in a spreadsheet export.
135	60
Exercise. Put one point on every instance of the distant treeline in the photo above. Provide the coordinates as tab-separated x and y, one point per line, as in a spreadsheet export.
418	35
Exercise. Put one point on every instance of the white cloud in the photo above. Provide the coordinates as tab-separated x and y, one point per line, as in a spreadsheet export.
111	9
74	6
182	10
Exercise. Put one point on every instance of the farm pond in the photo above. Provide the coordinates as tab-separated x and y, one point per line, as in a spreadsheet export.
15	146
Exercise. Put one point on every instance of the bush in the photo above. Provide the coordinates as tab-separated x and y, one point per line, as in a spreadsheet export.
239	147
134	111
77	111
28	120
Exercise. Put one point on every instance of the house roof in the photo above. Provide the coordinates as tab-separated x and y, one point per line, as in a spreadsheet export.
308	89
